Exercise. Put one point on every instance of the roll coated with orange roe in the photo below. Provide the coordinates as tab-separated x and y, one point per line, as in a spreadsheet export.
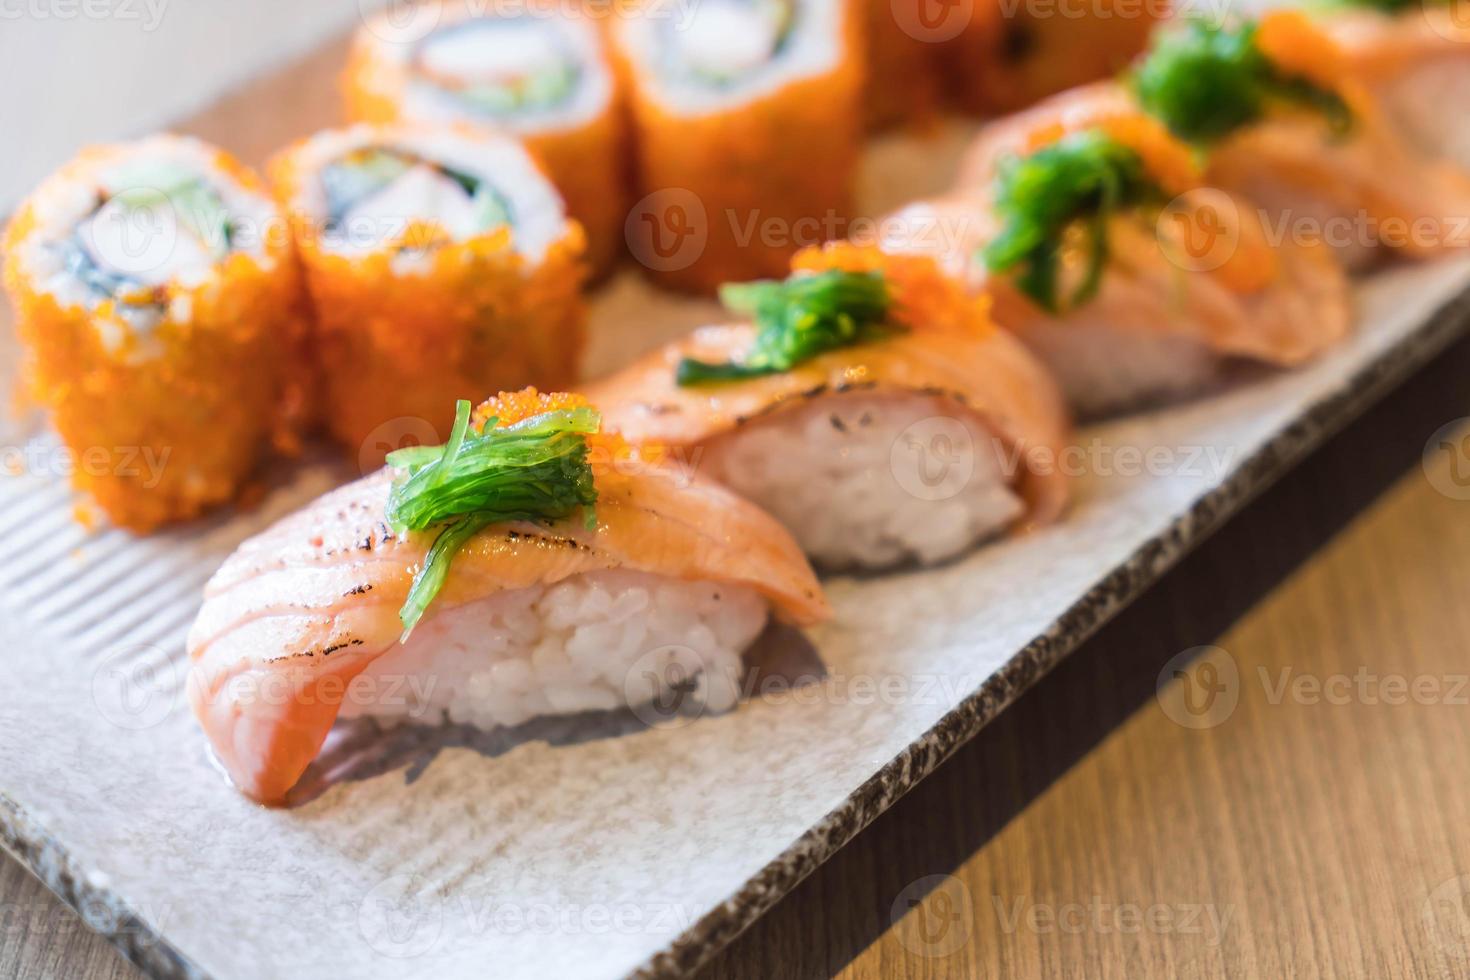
903	84
441	264
748	121
160	312
538	71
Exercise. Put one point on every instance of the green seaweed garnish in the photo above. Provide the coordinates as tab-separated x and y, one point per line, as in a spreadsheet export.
1204	81
1084	177
534	470
796	319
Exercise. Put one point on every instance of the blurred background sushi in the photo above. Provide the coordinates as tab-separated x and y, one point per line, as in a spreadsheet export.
156	293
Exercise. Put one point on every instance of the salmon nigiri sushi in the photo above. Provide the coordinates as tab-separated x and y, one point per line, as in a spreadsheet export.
867	402
1414	60
529	566
1281	118
1091	231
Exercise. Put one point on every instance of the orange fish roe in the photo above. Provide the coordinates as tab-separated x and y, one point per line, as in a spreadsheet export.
220	381
607	452
510	407
924	296
1297	45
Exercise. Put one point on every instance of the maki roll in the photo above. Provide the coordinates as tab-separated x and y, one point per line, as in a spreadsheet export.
1413	59
748	121
440	263
538	71
1009	54
530	566
160	313
1274	110
866	402
903	69
1091	230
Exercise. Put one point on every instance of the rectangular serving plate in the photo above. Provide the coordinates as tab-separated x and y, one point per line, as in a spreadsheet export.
594	846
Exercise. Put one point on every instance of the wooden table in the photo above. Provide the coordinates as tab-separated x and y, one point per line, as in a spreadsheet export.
1321	827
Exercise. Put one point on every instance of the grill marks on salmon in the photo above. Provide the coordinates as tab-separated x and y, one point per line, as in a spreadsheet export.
299	611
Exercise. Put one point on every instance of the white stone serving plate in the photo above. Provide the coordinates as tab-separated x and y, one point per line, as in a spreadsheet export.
594	846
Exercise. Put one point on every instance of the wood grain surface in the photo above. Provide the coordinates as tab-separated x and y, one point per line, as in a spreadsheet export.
1316	826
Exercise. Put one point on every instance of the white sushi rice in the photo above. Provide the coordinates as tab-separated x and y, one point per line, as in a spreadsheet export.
539	215
719	35
1104	371
869	481
594	642
531	35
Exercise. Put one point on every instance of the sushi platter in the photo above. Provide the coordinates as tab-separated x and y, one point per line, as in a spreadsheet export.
249	726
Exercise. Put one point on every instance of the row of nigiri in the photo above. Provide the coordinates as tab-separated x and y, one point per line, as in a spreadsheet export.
578	552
